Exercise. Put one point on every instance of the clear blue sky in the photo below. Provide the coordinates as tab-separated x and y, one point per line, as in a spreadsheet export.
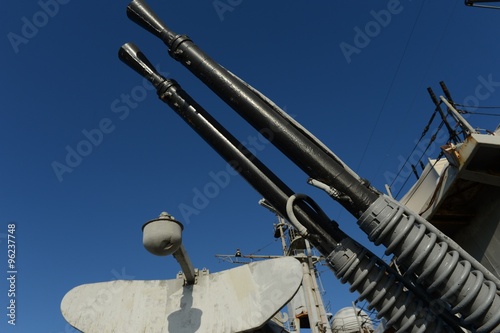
365	97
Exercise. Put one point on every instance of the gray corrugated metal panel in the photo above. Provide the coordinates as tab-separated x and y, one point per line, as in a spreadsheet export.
235	300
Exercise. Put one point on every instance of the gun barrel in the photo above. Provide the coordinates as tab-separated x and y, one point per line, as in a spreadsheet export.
446	274
130	54
290	140
140	13
325	234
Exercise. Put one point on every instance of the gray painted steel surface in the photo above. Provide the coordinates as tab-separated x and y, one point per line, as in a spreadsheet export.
235	300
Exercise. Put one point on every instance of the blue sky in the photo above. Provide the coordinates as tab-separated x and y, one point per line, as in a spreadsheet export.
354	73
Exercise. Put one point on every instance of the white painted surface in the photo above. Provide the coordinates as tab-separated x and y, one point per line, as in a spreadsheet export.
234	300
348	320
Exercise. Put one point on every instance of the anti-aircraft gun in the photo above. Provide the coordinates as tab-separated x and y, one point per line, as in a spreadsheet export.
443	288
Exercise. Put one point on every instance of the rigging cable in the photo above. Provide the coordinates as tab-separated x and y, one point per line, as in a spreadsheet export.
391	85
477	107
433	138
435	51
424	132
265	246
480	113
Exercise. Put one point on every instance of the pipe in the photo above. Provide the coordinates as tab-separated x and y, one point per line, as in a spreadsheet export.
468	129
187	267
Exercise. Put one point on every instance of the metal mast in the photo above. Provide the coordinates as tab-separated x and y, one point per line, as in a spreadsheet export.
306	309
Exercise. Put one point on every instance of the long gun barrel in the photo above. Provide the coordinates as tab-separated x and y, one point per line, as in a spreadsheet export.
303	152
234	152
437	263
350	261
